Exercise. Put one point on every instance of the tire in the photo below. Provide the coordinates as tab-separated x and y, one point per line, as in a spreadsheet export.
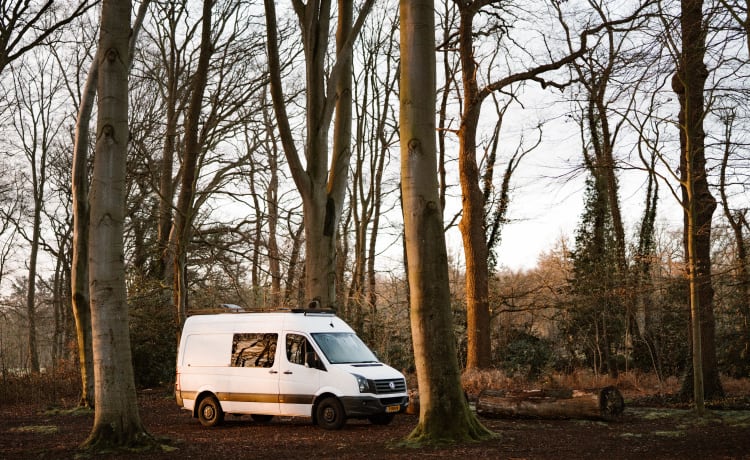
381	419
209	412
330	414
261	418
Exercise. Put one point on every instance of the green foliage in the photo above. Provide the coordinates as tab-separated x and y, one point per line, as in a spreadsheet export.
153	339
734	354
596	317
525	354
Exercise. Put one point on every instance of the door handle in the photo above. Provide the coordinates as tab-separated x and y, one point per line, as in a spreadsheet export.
273	372
288	372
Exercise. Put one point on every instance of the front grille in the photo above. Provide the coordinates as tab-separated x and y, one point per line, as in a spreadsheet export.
396	400
390	386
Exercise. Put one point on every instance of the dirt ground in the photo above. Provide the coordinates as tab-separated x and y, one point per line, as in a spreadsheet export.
648	429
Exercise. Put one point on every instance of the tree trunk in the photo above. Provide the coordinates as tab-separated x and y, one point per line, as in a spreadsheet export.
272	200
603	404
184	212
79	275
738	222
117	422
322	190
473	223
698	203
444	413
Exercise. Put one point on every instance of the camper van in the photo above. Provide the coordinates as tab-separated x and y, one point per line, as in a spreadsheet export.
305	362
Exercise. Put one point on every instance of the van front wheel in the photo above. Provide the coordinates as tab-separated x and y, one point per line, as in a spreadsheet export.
209	412
330	414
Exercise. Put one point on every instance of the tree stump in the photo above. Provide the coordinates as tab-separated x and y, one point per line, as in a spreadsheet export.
598	404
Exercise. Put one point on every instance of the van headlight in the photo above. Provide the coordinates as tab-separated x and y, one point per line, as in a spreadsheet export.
363	384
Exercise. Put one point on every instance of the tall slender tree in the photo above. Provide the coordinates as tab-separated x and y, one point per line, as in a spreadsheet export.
117	422
184	211
689	83
444	412
79	275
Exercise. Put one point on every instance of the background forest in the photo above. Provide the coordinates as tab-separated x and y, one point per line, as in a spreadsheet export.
578	120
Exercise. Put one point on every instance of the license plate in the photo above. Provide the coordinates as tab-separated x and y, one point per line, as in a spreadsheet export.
391	409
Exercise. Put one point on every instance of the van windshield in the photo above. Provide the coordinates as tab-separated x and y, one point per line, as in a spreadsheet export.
344	348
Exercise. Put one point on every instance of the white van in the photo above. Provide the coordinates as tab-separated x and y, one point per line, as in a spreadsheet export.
305	362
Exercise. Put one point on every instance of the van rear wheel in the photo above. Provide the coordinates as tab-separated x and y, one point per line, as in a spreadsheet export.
330	414
209	412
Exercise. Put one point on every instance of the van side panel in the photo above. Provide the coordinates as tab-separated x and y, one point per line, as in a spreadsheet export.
200	363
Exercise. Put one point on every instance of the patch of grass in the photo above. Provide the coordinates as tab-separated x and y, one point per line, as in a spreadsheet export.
40	429
669	434
76	411
658	414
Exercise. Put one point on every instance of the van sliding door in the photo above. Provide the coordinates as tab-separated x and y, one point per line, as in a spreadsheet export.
253	384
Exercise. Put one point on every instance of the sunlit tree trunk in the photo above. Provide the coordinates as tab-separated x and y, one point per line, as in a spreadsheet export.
472	223
444	412
117	421
698	203
79	276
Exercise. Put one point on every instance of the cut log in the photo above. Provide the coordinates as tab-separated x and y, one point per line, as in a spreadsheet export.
598	404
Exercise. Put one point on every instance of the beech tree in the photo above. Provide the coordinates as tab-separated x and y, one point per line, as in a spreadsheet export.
321	180
79	273
117	422
444	414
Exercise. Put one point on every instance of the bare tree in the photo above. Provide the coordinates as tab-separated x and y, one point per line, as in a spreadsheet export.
26	25
184	210
474	223
444	412
322	188
738	222
375	91
36	86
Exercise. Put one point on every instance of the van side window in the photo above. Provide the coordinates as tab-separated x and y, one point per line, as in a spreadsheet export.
296	346
254	350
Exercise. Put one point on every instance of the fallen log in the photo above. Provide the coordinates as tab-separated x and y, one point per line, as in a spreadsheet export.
597	404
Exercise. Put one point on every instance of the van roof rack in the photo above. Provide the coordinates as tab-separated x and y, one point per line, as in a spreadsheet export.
314	311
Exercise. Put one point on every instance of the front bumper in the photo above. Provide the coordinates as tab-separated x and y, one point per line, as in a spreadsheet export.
363	406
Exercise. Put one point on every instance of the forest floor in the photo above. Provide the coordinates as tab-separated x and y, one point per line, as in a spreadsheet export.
650	428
